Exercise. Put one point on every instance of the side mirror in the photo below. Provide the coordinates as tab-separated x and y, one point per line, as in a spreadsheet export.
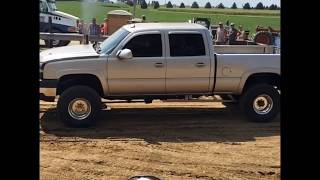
124	54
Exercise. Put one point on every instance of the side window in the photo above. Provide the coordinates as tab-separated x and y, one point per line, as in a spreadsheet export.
186	45
148	45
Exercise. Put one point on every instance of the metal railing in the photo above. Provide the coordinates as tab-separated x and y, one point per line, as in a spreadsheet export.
71	37
83	38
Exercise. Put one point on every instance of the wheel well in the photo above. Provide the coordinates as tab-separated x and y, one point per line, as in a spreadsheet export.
266	78
80	79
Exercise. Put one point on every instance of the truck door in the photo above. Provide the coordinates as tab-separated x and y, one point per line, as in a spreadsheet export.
145	72
188	63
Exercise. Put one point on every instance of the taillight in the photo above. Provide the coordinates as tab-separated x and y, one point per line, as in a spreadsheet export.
72	29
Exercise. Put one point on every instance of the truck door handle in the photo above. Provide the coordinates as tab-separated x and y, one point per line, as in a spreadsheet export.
158	64
200	64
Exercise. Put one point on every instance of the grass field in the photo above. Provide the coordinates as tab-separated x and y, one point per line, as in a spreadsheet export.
225	11
247	18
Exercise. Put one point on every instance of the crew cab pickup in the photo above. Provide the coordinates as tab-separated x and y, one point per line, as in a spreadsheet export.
156	61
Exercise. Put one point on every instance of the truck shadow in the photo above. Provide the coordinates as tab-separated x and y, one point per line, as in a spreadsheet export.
169	124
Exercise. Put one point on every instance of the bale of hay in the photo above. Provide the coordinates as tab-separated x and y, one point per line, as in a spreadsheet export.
116	19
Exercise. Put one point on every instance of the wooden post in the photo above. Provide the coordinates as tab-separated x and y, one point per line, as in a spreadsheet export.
50	31
86	39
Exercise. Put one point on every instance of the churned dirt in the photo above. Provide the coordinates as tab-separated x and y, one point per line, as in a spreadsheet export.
170	140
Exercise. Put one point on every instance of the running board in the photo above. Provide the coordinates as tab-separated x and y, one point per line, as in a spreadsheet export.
188	98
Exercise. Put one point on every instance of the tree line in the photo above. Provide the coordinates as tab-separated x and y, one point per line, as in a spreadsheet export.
156	5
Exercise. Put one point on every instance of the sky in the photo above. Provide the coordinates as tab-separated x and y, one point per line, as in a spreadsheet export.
226	3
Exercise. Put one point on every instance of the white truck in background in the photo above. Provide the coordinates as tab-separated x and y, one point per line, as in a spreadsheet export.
61	22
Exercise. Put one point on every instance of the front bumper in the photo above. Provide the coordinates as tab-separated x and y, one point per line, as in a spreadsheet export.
48	89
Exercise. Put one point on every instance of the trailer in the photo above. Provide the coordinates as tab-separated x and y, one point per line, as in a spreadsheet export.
61	21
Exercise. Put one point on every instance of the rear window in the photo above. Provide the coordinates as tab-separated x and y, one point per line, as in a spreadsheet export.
186	45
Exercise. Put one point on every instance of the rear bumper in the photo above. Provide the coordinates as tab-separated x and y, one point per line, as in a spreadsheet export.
48	89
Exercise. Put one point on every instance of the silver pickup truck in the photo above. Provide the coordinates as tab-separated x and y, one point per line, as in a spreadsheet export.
156	61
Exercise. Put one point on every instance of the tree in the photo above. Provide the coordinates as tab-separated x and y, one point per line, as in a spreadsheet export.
144	5
194	5
266	7
246	6
156	5
208	5
182	5
259	6
130	2
234	6
169	5
220	6
273	7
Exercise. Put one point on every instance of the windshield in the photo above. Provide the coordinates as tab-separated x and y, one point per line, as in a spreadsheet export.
111	42
52	6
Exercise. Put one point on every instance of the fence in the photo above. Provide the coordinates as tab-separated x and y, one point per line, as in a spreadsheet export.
71	37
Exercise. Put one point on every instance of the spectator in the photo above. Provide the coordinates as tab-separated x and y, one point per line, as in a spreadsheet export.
241	35
101	28
94	28
220	35
81	26
232	34
104	29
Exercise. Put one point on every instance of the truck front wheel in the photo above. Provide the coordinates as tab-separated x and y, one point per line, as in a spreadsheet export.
56	43
78	106
261	103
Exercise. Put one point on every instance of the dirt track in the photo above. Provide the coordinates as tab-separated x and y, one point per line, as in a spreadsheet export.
172	141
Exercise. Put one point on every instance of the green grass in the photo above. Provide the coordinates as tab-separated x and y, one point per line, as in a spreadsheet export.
249	19
228	11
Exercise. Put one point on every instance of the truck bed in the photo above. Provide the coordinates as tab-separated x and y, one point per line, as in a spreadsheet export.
244	49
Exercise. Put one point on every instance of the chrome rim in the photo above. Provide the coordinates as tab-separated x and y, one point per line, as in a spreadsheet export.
262	104
79	108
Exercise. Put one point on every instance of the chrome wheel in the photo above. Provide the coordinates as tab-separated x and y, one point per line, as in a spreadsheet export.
262	104
55	42
79	108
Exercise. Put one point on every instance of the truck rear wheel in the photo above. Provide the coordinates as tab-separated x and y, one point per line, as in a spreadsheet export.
261	103
78	106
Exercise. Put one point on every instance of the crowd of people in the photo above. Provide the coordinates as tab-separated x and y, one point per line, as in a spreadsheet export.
223	36
230	36
96	29
93	28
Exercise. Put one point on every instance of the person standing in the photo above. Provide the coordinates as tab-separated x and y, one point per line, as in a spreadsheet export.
241	35
220	35
232	34
104	29
81	26
94	28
